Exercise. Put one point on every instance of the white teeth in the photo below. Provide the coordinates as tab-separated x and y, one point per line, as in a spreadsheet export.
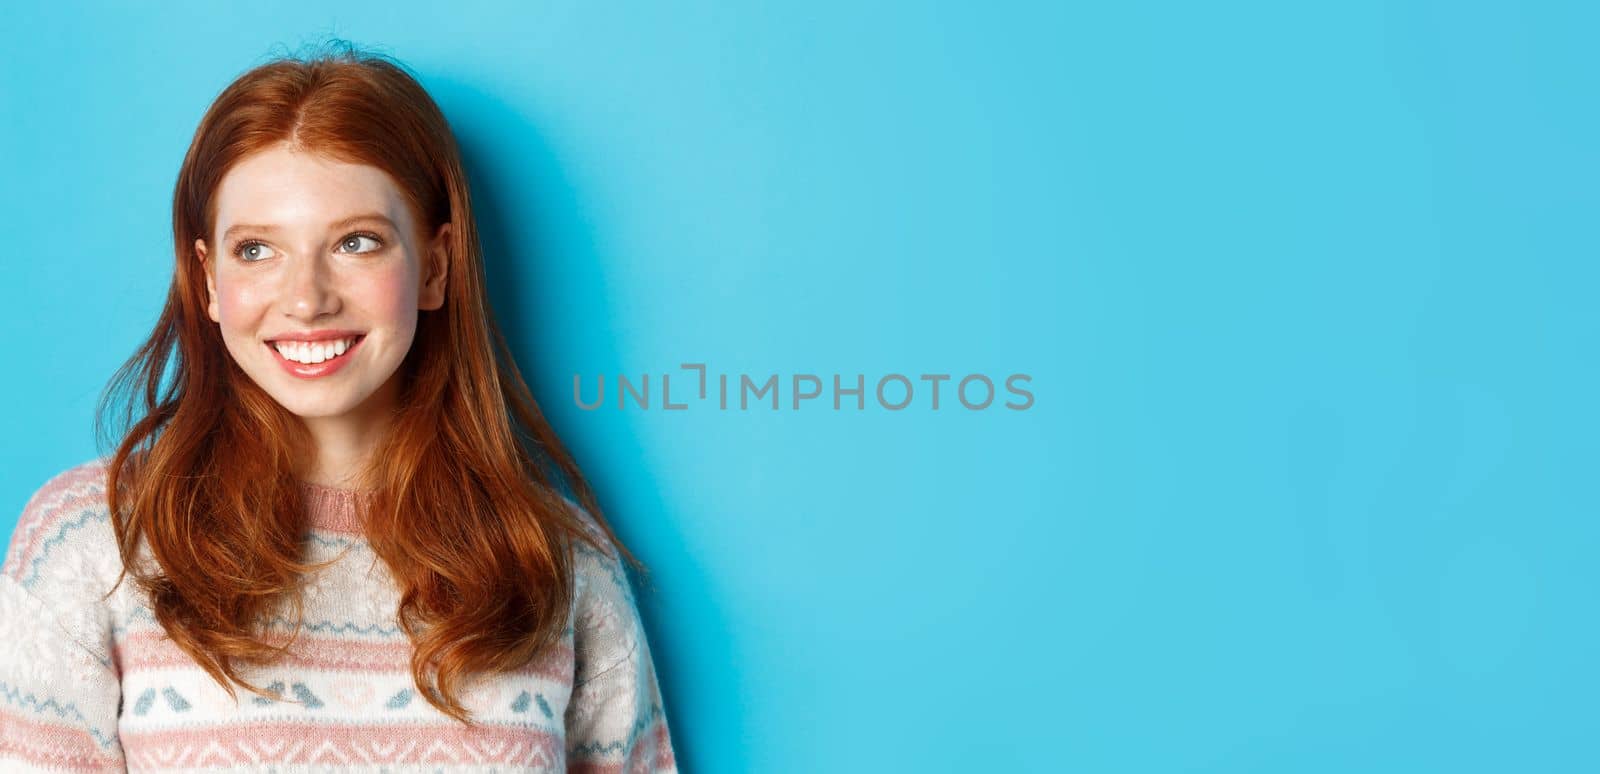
310	353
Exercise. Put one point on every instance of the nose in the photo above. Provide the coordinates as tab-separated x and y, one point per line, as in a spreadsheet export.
308	291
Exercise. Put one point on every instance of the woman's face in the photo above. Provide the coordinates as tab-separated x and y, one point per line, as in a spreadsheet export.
316	271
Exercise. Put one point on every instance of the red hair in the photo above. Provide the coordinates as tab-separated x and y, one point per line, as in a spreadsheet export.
467	511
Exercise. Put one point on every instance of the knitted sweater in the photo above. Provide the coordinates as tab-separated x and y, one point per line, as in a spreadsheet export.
92	685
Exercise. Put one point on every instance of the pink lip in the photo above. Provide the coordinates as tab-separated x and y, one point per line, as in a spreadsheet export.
314	370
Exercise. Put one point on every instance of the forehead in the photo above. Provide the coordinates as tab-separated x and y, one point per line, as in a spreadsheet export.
285	188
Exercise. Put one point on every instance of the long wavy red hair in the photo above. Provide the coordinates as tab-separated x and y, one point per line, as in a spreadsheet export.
470	488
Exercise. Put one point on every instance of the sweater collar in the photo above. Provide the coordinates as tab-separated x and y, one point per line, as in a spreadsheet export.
331	509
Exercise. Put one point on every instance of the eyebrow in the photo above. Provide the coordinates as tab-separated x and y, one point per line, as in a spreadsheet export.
365	217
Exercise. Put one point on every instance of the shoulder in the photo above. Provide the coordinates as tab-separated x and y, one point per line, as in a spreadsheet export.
587	558
605	615
599	573
63	551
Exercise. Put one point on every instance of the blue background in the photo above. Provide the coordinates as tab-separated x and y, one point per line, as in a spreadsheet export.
1304	293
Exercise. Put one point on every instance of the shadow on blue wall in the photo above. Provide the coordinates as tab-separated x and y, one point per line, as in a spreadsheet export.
533	315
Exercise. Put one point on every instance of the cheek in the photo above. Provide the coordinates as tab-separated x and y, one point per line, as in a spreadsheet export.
240	305
386	298
390	298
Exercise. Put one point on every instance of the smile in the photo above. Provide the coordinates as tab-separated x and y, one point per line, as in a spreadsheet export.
310	360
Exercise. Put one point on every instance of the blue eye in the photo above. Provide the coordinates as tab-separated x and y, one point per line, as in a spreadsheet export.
352	243
251	252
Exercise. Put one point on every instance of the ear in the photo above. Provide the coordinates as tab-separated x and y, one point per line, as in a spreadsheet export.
435	270
209	270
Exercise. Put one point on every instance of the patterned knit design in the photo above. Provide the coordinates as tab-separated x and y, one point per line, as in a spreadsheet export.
95	685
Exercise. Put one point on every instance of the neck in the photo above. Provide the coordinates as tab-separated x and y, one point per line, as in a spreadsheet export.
346	443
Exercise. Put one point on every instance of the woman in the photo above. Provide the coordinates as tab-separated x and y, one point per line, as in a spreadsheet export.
341	496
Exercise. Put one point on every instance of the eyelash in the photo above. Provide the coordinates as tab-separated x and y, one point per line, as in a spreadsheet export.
238	250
